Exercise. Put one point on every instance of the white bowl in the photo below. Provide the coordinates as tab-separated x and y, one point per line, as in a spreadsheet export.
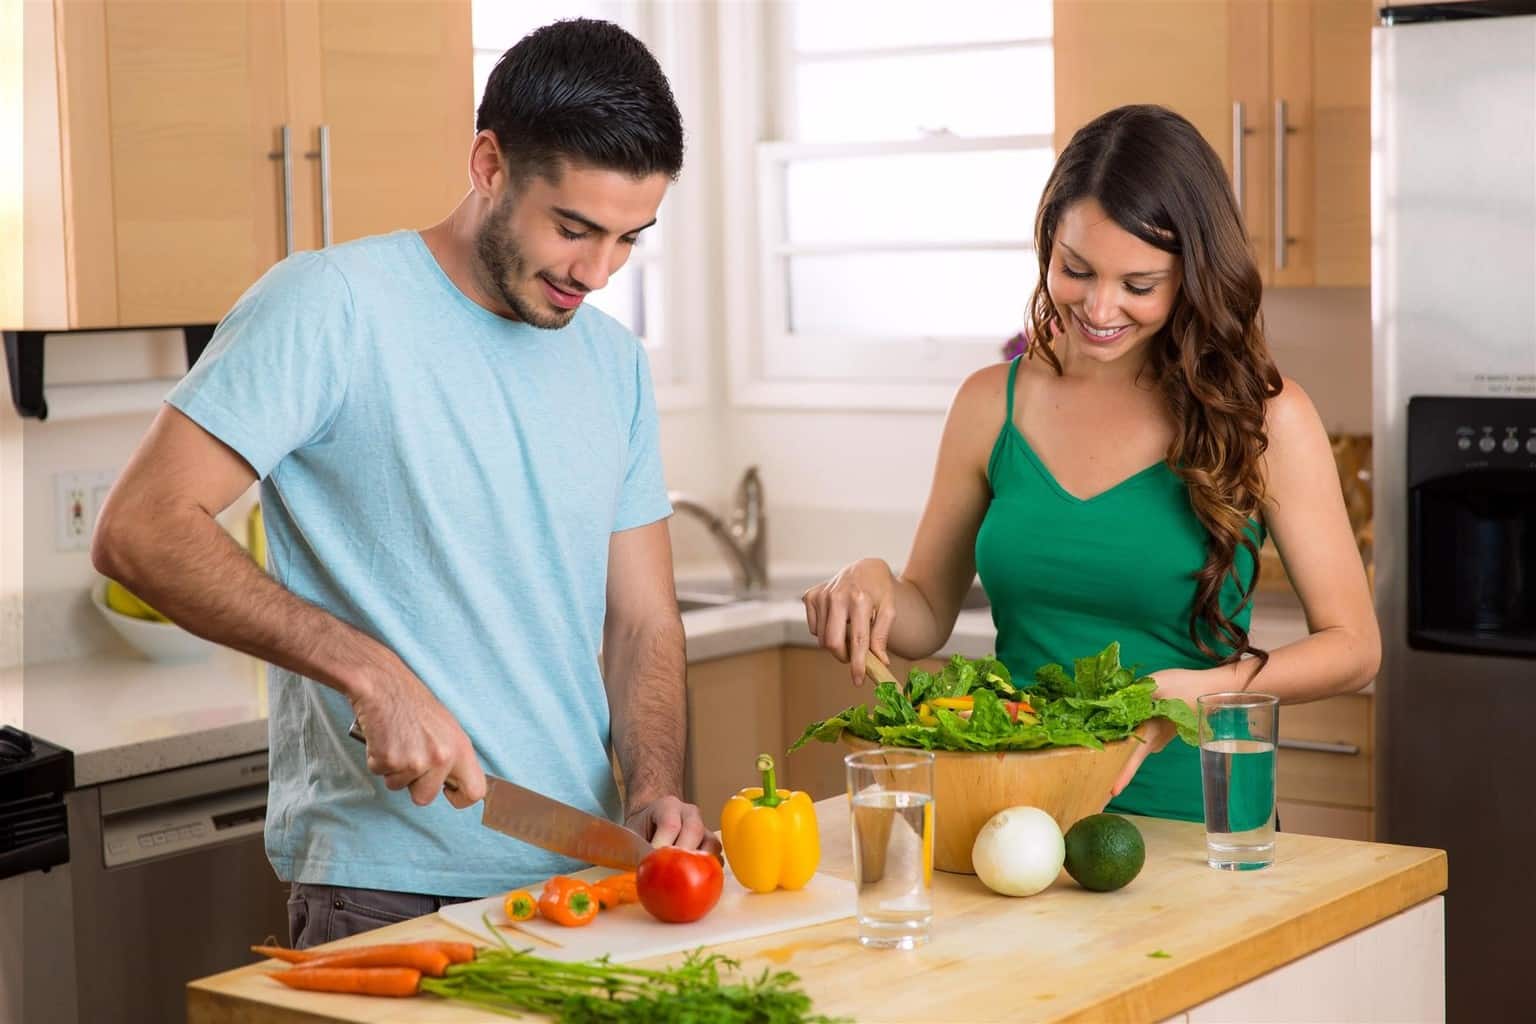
157	641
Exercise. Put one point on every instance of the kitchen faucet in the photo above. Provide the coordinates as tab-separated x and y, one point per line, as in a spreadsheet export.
744	538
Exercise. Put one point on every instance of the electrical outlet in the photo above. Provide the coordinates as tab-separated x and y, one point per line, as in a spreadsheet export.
77	500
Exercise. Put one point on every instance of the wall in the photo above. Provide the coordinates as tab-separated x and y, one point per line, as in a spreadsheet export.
59	620
1321	337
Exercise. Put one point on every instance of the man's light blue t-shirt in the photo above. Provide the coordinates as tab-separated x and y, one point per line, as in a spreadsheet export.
446	481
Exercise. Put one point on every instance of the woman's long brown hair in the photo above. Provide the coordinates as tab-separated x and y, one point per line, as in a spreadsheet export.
1158	179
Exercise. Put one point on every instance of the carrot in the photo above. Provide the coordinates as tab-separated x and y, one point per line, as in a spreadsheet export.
455	952
426	959
362	981
458	952
615	890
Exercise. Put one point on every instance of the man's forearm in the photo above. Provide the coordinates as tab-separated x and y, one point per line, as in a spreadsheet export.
192	571
644	669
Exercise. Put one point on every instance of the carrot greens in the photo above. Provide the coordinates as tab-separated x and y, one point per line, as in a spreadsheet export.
703	988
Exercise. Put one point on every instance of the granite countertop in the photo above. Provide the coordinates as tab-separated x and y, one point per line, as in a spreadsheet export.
126	716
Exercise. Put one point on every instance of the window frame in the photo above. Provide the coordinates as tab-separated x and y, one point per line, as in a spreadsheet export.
771	366
675	322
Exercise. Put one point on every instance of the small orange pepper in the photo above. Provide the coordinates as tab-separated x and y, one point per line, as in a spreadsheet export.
519	905
616	890
568	901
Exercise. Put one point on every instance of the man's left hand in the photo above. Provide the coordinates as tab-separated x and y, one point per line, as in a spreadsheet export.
667	821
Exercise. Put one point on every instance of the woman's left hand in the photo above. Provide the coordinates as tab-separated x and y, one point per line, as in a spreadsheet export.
1177	683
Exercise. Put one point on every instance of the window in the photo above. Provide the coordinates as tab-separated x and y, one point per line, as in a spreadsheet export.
903	147
638	295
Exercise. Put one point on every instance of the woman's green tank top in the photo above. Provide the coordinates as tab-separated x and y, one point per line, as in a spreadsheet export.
1067	575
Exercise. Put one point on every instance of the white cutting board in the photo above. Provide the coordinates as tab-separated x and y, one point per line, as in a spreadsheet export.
629	933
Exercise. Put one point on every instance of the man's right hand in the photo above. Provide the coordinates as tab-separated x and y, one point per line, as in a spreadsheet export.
415	743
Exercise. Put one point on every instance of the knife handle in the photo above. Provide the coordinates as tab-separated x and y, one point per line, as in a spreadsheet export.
450	784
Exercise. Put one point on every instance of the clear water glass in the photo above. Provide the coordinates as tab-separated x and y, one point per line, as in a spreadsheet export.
1238	733
891	796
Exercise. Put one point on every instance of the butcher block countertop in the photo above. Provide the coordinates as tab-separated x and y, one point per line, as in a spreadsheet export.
1064	955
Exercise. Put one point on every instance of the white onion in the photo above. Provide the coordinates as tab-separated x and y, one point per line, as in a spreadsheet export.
1019	851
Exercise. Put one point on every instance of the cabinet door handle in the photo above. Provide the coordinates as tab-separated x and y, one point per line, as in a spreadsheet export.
1239	132
1348	749
1282	239
323	154
285	154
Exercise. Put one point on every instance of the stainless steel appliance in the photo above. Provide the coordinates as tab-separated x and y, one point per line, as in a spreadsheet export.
170	883
34	877
1454	313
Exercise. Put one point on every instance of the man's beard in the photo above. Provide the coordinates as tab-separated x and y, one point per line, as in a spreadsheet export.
502	265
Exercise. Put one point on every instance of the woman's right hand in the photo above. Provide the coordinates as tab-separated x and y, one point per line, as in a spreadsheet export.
852	613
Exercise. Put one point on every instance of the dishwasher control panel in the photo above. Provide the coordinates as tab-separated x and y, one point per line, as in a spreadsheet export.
184	809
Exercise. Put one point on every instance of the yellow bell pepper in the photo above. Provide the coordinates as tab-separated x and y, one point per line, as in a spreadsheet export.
770	835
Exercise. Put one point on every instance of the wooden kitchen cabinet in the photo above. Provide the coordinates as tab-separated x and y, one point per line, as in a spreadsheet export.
1324	773
393	85
154	178
1227	65
734	714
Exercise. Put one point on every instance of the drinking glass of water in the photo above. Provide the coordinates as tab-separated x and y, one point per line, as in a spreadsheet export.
891	792
1237	773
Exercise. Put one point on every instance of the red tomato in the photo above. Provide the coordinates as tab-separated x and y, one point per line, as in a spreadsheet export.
679	886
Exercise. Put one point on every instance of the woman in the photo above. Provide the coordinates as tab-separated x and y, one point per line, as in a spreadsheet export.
1116	482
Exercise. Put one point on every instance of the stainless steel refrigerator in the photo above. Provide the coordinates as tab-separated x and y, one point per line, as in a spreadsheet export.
1453	182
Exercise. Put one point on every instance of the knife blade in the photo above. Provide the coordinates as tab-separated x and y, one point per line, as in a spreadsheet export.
550	824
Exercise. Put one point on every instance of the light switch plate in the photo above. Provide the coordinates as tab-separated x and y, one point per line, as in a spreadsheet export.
77	500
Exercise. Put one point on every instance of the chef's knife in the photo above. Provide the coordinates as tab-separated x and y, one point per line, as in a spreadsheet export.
547	823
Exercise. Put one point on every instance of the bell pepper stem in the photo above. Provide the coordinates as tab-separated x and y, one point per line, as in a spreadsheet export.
770	797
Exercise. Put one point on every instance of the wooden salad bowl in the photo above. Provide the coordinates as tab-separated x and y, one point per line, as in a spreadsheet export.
1068	783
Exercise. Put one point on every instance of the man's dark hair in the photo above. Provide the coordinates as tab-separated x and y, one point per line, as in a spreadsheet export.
586	91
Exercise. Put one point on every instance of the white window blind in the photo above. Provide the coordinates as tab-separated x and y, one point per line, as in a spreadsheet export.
907	145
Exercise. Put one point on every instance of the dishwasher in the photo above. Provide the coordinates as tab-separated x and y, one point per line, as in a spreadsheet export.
170	883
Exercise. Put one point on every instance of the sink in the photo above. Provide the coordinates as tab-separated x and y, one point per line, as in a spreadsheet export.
692	602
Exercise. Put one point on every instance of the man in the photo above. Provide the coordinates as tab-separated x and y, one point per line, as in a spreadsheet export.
463	500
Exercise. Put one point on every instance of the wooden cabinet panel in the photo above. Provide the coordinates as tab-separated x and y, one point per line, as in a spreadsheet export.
196	98
85	158
1172	52
1248	74
1201	57
815	687
397	91
1307	819
167	115
1337	778
733	715
1341	122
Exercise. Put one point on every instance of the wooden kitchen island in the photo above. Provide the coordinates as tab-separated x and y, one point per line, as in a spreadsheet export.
1334	930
